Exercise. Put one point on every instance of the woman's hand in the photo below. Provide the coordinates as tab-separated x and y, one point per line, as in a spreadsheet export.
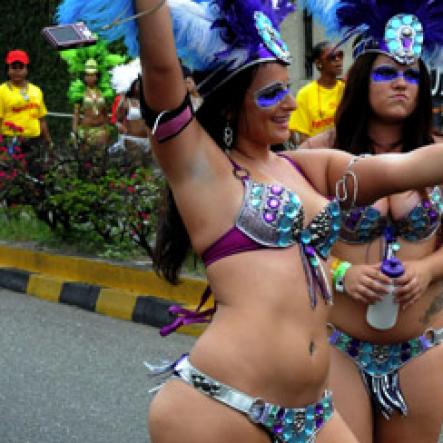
366	283
413	283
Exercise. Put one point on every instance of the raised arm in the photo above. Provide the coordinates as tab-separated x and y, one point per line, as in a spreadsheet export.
184	156
163	83
385	174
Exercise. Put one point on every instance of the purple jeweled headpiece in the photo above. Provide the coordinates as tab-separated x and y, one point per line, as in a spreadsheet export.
403	30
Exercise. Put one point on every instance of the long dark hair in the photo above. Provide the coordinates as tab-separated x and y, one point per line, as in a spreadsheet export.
354	111
223	105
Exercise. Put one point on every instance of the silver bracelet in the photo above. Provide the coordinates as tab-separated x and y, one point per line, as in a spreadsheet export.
341	187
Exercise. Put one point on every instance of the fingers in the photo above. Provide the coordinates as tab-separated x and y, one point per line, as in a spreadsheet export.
365	294
375	286
408	294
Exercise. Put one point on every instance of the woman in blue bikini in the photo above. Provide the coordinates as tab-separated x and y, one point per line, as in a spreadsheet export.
259	220
388	375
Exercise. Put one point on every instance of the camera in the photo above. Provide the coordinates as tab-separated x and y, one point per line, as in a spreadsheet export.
69	36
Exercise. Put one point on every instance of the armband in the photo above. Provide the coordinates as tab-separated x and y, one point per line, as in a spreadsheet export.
169	123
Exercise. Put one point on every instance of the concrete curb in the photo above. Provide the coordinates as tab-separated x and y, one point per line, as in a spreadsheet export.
118	291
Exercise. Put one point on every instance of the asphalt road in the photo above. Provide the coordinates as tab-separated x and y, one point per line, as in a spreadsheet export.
67	375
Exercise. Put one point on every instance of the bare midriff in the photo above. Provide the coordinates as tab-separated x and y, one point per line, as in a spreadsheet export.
266	341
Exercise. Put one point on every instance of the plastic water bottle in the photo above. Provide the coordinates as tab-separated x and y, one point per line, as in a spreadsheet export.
383	314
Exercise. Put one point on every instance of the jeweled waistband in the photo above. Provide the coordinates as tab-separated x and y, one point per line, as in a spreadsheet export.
284	424
381	359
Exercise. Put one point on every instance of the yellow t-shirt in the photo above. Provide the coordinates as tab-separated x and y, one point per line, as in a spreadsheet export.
23	107
316	108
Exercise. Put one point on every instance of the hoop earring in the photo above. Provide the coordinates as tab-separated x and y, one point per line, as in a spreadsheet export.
228	135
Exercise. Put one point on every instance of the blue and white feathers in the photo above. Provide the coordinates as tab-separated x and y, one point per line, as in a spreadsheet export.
207	33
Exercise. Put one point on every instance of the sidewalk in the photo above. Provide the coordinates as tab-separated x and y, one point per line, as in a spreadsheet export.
119	291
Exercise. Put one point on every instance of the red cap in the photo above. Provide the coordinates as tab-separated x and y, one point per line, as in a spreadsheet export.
17	55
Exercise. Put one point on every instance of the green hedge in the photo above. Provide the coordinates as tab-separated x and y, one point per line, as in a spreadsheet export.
22	22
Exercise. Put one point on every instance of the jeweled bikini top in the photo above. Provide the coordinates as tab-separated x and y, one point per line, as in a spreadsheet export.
273	217
364	224
270	217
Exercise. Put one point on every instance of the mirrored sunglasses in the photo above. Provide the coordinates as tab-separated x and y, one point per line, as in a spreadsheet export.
271	95
389	73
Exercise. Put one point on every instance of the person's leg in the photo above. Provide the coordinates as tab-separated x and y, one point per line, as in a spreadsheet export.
422	387
336	431
179	413
351	398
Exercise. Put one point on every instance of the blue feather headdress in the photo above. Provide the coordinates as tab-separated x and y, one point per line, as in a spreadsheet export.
403	30
219	37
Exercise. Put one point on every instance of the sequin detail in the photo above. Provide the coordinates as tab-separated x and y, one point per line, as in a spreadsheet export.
295	425
274	216
376	359
379	365
363	224
404	38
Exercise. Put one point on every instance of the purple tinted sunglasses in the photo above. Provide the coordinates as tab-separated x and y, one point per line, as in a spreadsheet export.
272	94
387	73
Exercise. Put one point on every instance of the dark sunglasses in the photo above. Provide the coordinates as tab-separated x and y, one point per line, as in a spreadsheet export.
335	55
272	94
389	73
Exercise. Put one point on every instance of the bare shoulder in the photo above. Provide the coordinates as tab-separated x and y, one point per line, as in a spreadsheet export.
314	164
324	140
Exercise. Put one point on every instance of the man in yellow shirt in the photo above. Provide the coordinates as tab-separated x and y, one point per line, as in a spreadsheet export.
22	108
318	100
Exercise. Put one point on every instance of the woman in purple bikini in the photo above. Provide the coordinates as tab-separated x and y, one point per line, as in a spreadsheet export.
259	372
386	366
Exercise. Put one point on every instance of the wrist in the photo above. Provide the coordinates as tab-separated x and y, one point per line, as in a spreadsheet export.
339	270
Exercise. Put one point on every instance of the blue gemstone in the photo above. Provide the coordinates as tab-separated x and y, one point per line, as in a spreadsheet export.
314	262
324	251
284	224
334	209
390	33
395	23
310	413
365	359
289	416
407	19
372	214
285	240
366	348
287	434
393	45
294	199
290	210
305	236
257	190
